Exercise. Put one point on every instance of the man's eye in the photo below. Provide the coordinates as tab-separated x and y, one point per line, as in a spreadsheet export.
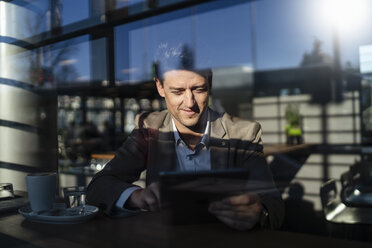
177	92
201	90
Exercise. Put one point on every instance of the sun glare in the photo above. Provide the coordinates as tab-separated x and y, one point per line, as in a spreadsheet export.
350	15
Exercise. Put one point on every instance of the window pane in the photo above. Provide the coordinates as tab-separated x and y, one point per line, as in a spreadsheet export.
289	33
214	36
73	11
73	62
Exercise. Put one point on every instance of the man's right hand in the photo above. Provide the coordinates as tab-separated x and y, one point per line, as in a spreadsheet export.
146	199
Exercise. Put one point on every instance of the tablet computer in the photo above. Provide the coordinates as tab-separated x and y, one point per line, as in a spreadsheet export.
185	196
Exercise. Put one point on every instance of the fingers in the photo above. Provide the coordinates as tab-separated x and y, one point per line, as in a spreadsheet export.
236	211
135	200
239	216
145	199
238	220
149	200
239	202
151	197
221	206
241	212
155	189
243	199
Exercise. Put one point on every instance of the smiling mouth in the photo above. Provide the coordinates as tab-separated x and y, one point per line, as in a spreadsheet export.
189	111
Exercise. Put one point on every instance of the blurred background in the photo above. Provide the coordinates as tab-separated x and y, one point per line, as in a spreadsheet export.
73	75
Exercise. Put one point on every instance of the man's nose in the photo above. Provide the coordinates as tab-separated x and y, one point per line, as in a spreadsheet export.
189	99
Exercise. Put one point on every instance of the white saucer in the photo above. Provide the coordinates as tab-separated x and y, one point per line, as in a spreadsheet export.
59	214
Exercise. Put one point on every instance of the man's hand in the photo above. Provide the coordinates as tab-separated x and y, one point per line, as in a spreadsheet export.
241	212
147	198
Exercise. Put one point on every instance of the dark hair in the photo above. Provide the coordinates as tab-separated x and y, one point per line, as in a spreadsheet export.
179	57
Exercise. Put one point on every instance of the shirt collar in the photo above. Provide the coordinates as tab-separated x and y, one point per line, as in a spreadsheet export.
204	140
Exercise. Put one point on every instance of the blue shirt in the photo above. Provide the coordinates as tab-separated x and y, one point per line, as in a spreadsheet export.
187	160
192	160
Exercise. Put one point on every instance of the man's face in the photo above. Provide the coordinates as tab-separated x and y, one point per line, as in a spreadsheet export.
186	95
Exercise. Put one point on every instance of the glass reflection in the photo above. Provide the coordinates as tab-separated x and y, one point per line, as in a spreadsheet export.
71	62
74	11
265	55
193	29
127	3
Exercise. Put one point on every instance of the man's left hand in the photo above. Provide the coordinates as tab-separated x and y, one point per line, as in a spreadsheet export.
241	212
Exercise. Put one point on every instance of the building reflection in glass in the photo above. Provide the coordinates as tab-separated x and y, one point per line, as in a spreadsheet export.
77	73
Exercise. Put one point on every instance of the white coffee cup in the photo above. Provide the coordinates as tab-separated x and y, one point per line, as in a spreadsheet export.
41	189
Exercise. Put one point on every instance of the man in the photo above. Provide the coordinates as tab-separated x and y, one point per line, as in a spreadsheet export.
189	136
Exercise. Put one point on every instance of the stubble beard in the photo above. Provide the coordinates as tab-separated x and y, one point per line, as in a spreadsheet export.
195	124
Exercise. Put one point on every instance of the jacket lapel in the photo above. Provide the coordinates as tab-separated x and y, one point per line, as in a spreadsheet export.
219	147
165	150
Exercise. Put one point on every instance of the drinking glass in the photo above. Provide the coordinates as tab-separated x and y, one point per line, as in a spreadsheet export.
75	198
6	190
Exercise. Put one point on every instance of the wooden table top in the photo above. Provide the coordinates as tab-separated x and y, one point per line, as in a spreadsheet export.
148	230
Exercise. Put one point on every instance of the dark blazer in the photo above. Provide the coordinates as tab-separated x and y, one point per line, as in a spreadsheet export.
233	143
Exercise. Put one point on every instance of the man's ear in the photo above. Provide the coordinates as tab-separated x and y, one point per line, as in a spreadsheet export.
160	87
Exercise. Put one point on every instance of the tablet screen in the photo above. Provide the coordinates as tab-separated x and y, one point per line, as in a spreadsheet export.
185	196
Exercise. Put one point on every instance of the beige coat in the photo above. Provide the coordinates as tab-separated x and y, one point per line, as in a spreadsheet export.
234	143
